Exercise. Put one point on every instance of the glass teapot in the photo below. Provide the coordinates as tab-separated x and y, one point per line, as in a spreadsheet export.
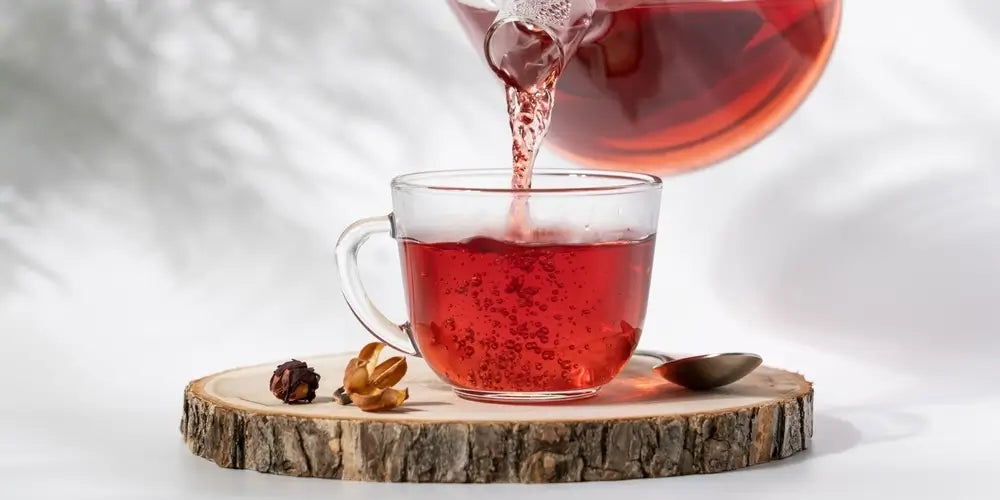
658	85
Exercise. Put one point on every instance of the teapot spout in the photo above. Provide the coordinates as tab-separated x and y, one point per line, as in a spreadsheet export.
531	41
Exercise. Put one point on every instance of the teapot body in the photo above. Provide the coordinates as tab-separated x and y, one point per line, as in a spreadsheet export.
669	85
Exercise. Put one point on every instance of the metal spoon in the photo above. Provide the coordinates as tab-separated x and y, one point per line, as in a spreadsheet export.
706	371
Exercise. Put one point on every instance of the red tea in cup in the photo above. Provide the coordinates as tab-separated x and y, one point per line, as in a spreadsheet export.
498	316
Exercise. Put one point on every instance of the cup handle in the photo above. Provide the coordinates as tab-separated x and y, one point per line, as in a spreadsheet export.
397	336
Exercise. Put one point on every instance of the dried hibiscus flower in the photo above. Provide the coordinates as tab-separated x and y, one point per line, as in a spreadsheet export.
368	383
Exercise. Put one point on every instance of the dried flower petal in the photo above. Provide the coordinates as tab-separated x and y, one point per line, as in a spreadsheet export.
381	400
388	373
369	354
356	378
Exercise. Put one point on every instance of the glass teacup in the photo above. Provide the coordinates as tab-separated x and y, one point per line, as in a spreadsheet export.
515	295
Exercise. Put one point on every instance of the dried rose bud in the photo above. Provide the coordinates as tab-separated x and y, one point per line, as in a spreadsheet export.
294	382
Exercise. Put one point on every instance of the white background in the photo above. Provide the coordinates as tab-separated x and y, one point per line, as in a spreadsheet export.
173	175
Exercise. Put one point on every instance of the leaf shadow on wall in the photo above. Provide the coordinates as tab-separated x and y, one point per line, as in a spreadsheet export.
209	133
985	13
175	174
886	249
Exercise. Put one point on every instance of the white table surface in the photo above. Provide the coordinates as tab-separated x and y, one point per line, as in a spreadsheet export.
173	177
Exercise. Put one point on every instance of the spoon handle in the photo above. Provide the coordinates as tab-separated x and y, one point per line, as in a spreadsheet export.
659	356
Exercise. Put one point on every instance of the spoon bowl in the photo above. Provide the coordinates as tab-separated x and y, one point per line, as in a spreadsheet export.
706	371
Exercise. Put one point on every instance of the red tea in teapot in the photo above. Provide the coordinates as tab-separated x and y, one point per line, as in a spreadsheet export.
666	85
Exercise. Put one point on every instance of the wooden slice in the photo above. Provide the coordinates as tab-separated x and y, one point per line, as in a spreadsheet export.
638	426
